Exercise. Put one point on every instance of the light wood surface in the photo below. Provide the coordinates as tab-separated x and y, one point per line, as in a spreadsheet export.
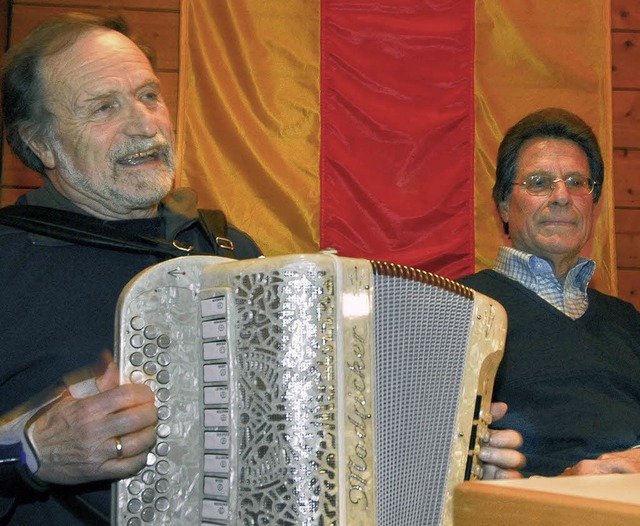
600	500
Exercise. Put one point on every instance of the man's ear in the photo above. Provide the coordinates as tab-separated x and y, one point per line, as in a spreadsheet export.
503	210
40	146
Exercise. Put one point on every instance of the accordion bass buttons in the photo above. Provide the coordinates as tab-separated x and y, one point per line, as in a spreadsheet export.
146	364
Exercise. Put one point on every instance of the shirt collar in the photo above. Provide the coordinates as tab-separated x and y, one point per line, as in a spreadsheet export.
537	275
525	267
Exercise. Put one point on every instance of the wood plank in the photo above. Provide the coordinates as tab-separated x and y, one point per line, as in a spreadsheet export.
625	55
627	223
156	5
626	119
627	253
625	14
626	177
629	286
160	30
4	24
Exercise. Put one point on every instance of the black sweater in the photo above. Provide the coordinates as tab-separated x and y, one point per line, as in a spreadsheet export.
572	386
58	302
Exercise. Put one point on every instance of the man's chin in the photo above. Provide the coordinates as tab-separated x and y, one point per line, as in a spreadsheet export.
143	198
153	188
560	247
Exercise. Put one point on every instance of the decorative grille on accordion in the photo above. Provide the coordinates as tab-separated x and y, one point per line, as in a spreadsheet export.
305	390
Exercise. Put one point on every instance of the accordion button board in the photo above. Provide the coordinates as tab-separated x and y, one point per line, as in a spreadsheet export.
305	389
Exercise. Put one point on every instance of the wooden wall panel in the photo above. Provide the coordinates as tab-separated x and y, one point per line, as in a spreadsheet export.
626	167
628	237
625	14
625	79
155	22
625	55
626	118
629	285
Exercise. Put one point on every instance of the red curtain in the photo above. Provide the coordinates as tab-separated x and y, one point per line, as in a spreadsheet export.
396	154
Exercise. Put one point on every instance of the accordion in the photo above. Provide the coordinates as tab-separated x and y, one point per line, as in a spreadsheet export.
307	389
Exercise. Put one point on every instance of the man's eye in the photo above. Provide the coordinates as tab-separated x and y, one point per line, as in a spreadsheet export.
104	107
151	96
538	181
576	182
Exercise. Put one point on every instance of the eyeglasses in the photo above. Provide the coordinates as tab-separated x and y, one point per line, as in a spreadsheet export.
543	185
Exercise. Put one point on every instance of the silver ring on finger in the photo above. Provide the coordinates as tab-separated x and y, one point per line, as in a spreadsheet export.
119	452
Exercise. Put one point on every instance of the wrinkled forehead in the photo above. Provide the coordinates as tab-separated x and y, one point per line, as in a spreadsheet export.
96	55
539	151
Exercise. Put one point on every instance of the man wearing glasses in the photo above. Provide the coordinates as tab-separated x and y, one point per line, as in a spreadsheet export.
571	370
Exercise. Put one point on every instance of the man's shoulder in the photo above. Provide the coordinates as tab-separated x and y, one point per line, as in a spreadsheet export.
508	292
11	234
483	277
181	213
609	302
244	245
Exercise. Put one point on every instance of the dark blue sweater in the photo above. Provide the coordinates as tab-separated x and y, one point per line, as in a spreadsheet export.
58	302
572	386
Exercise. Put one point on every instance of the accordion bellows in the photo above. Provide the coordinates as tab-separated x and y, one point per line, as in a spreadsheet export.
305	390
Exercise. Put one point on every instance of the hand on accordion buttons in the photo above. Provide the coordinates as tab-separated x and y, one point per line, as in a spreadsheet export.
102	436
499	454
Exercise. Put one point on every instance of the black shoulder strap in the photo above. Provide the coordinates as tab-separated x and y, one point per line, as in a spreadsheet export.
215	225
88	230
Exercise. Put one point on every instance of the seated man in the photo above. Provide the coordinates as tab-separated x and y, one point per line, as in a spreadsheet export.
82	106
572	358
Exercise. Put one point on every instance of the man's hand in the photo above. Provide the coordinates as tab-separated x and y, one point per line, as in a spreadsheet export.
627	461
501	459
76	438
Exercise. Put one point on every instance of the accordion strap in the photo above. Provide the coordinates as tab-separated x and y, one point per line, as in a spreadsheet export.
215	224
88	230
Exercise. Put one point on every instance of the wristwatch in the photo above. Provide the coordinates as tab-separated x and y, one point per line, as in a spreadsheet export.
13	462
11	458
11	454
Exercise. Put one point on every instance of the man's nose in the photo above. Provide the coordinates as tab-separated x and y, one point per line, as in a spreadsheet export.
141	120
559	192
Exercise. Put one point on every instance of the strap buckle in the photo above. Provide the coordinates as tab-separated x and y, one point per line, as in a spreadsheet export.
181	245
224	243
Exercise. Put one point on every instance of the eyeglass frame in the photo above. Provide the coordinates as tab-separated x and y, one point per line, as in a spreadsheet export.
592	185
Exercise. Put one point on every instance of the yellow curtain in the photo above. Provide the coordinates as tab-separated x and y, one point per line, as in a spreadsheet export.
531	54
249	116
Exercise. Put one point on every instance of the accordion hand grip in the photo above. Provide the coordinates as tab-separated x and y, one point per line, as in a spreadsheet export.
305	390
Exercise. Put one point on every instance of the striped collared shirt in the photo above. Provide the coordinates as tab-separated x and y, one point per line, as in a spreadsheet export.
537	275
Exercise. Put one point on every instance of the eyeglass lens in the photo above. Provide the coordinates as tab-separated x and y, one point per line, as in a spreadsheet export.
544	184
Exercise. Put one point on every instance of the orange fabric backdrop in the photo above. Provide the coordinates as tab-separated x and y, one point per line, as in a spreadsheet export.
530	55
250	118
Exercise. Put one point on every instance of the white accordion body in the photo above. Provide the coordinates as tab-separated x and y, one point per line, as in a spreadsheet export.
305	390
